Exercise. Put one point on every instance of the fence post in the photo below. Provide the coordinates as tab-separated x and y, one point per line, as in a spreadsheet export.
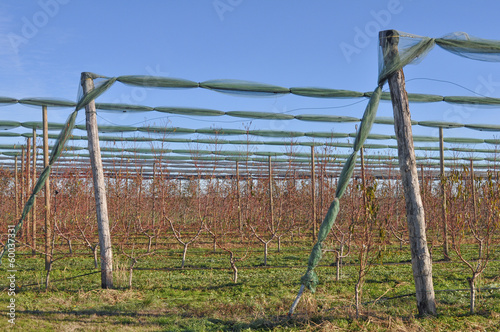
421	260
48	224
443	195
28	185
33	209
16	189
238	196
271	203
99	186
313	195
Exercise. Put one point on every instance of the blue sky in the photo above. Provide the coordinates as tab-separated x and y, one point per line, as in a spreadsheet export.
46	44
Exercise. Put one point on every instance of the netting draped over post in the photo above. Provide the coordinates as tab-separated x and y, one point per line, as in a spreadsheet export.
411	48
310	279
57	150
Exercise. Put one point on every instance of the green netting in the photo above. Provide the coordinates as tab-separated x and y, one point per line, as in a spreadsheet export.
96	92
375	146
260	115
243	87
310	143
410	48
47	102
220	131
157	81
123	107
460	43
7	101
492	141
475	150
276	133
325	93
425	148
472	100
4	125
189	111
428	98
110	129
463	140
12	153
193	152
326	118
384	120
326	134
418	138
8	134
166	130
9	147
340	145
231	153
310	279
440	124
483	127
39	125
368	118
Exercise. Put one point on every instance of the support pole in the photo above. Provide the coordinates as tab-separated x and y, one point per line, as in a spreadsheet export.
28	185
99	186
48	224
313	196
271	203
33	209
444	215
238	196
420	257
16	189
23	188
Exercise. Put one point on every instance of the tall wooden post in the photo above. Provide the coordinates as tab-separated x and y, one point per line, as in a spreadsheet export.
238	196
313	195
23	181
28	185
420	257
99	186
474	207
443	196
48	224
271	203
16	189
33	209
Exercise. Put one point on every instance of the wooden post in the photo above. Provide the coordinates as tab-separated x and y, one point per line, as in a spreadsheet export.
28	185
423	181
443	196
271	204
48	224
99	186
238	196
313	195
153	193
33	209
23	181
421	260
16	189
474	207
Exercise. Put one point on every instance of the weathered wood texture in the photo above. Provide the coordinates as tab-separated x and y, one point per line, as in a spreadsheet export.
99	187
420	257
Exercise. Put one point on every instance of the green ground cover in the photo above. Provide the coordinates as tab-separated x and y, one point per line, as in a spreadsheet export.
202	297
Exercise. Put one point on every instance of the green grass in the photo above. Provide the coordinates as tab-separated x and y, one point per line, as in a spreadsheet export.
203	297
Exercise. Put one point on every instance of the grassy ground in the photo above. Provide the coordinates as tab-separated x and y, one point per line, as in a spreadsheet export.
202	297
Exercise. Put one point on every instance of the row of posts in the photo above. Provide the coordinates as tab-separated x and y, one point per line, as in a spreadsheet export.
26	172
